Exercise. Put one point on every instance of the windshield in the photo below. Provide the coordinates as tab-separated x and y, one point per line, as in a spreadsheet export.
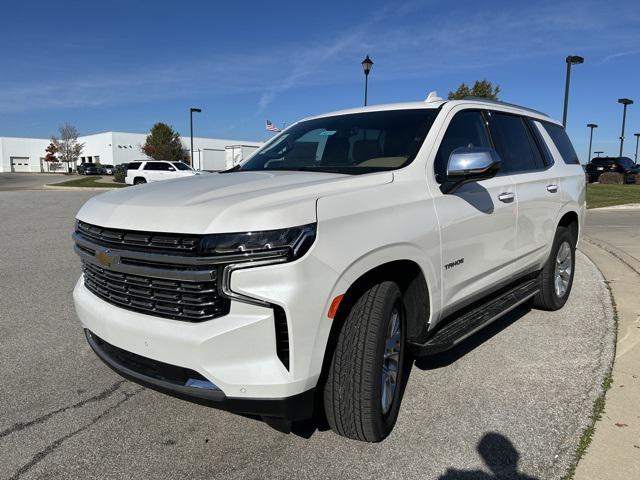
181	166
351	144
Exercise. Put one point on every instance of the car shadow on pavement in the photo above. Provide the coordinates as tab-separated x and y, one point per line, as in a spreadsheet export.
499	455
307	428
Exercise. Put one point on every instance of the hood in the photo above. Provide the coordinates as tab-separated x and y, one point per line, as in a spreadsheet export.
222	202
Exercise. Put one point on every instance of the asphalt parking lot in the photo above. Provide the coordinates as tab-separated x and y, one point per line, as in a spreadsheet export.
29	181
509	403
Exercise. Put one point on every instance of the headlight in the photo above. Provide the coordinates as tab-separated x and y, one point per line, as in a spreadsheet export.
251	249
286	244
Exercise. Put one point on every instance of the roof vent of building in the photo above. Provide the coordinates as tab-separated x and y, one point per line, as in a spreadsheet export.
433	97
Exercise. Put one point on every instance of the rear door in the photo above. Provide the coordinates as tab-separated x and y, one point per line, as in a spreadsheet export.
153	171
477	222
527	160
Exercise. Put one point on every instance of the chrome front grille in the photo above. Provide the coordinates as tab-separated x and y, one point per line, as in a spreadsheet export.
127	239
157	280
180	300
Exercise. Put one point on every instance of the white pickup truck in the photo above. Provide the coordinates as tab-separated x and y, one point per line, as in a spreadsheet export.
303	280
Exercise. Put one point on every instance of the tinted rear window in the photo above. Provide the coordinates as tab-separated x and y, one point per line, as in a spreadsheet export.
134	165
562	143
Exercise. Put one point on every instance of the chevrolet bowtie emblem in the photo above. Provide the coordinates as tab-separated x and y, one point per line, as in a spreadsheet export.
104	258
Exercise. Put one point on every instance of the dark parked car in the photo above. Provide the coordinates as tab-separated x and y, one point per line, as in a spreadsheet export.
624	165
88	169
106	169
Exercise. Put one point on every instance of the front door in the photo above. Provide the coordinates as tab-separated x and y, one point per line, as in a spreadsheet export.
477	222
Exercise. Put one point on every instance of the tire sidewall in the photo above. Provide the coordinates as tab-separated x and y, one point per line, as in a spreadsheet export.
387	422
563	235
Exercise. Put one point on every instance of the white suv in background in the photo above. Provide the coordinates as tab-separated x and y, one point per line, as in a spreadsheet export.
156	170
299	282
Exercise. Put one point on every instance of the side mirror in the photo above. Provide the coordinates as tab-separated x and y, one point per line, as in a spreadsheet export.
470	164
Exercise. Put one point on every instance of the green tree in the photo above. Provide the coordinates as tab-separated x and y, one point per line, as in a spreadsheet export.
482	88
163	143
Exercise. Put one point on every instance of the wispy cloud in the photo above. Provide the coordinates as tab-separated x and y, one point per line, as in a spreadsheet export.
608	58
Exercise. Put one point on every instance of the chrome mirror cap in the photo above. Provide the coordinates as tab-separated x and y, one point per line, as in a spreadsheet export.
472	162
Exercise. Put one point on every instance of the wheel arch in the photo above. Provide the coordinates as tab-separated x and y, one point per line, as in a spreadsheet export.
571	220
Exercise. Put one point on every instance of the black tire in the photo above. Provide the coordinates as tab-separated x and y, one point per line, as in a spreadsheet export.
139	181
353	389
548	297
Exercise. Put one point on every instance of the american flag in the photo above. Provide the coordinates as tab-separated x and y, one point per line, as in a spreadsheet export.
271	127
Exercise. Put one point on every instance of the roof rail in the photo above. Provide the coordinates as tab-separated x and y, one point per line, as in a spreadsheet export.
498	102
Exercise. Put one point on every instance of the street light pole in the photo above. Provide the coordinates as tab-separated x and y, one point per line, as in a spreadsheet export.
637	135
367	65
591	126
571	60
624	102
191	110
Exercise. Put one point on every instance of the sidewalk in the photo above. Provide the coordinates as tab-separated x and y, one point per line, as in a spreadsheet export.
614	452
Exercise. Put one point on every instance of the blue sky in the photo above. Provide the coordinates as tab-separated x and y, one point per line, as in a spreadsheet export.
123	65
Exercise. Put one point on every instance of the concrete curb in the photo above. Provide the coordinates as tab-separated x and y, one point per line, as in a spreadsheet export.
632	262
63	188
626	206
613	452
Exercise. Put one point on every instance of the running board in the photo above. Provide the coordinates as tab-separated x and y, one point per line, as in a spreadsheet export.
458	329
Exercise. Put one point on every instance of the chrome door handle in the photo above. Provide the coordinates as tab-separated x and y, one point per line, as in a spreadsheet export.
552	188
506	197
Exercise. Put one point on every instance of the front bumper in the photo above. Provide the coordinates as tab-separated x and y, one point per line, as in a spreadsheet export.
188	385
236	352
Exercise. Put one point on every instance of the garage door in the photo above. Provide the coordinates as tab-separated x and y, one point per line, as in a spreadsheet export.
20	164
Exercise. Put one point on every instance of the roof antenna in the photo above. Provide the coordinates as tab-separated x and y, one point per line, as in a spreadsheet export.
433	97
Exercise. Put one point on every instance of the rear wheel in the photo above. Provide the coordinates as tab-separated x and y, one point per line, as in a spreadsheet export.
139	181
363	390
556	278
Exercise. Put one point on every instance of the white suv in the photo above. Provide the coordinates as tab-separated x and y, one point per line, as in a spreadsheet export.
156	170
301	280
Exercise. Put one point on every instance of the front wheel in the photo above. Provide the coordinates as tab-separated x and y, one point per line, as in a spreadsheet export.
556	278
363	390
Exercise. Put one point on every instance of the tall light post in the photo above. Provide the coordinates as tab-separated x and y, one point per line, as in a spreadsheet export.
598	153
624	102
367	65
571	60
191	110
637	135
591	126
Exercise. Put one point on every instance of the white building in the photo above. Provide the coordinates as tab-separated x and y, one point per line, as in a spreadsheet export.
113	148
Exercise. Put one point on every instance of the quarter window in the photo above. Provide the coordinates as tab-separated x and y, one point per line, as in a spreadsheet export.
562	143
467	129
514	143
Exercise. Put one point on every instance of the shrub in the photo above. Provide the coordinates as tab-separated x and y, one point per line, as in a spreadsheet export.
611	178
119	174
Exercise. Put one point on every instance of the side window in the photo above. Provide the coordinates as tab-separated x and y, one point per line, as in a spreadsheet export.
467	129
155	166
134	165
562	143
514	143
